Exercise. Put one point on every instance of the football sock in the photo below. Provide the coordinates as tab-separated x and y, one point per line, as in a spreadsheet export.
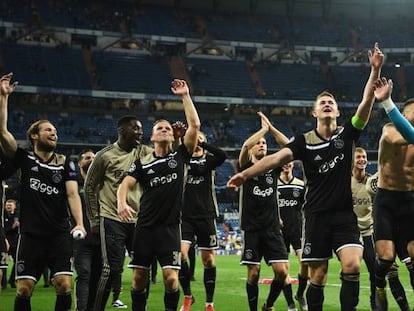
315	297
210	282
349	295
171	300
139	300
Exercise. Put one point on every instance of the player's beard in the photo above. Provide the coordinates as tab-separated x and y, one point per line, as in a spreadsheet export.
45	147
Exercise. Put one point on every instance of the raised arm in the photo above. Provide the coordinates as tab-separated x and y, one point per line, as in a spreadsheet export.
244	155
280	138
376	60
7	140
180	87
383	90
267	163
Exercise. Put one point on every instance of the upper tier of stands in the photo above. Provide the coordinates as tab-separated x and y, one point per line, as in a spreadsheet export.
133	73
273	27
221	78
56	67
64	67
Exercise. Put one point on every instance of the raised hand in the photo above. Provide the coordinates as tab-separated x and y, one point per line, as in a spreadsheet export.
179	87
5	87
265	121
179	129
376	57
383	89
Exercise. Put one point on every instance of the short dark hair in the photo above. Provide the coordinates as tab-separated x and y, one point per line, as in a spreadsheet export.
408	102
34	128
85	151
126	120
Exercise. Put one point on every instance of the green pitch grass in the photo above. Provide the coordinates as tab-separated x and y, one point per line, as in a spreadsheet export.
230	292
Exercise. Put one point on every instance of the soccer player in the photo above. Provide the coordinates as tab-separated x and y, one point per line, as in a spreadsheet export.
87	252
4	247
331	225
394	201
105	174
161	176
362	202
199	218
396	287
400	121
48	184
7	169
11	228
291	194
260	218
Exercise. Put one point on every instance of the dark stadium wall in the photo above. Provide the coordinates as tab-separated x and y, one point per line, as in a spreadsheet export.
315	8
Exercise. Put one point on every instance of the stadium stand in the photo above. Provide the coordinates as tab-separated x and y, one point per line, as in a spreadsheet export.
294	60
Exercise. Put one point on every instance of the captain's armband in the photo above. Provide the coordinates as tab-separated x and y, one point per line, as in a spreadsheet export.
358	123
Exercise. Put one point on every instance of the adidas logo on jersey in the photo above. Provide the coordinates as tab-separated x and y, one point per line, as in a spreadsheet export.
150	171
35	169
317	158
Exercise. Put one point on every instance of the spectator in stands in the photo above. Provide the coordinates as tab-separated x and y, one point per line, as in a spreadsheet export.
48	182
161	176
260	218
199	218
331	225
104	175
